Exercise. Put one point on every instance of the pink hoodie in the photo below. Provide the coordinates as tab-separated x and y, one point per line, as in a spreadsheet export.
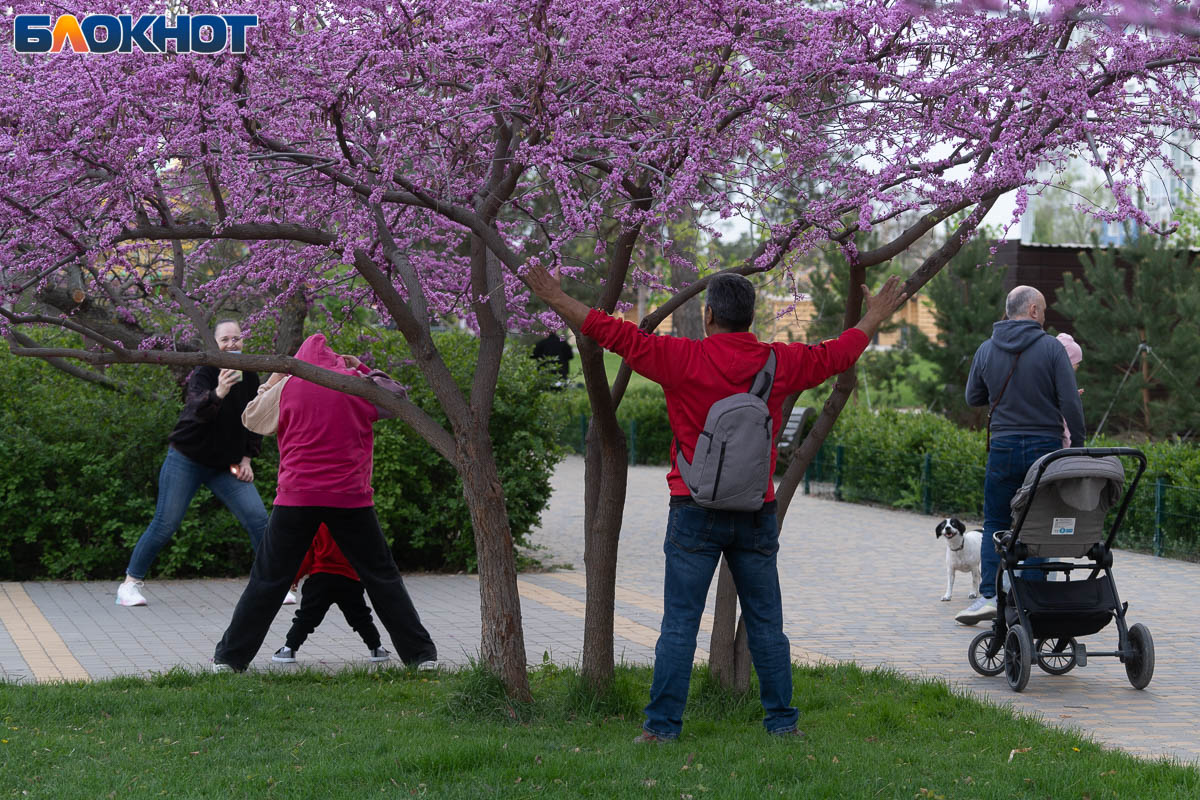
325	438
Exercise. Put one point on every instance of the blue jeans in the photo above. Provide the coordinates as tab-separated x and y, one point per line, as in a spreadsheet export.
178	480
1008	460
696	538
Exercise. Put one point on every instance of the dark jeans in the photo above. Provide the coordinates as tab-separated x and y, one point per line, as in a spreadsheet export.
289	533
323	589
696	539
178	479
1008	460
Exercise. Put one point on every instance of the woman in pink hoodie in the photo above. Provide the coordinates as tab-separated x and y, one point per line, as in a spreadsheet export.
325	460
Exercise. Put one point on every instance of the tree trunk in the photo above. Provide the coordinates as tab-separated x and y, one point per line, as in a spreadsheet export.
606	474
502	640
289	334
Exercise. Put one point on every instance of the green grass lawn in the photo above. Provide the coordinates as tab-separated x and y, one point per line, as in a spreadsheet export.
397	733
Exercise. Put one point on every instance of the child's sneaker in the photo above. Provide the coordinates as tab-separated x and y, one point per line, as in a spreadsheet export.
130	594
378	654
285	655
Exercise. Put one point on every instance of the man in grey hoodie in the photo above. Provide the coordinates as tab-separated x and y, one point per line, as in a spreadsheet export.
1025	376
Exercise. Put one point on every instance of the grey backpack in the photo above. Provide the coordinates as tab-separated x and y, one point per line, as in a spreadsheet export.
732	461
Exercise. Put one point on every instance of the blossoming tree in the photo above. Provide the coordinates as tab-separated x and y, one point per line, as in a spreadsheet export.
415	156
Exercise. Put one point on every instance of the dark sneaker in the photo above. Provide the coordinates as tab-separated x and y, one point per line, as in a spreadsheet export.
285	655
646	737
378	654
983	608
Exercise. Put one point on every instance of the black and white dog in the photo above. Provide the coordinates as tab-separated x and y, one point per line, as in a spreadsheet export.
962	553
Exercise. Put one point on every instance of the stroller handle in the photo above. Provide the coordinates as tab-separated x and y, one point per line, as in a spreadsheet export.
1093	452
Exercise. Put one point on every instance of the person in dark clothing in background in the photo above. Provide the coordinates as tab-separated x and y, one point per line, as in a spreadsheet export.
1025	375
208	446
554	348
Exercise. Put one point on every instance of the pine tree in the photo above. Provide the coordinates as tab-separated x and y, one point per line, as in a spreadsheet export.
1154	389
967	297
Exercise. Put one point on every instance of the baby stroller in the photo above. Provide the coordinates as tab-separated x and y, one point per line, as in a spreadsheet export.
1059	513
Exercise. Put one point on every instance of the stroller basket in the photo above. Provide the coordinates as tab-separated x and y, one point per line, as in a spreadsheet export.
1065	608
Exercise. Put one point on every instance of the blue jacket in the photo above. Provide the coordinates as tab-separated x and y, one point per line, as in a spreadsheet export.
1042	391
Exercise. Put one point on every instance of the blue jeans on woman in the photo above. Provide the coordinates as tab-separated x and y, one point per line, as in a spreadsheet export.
1009	459
696	538
178	480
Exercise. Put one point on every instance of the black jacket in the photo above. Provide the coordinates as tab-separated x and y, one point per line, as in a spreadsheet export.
210	430
1042	391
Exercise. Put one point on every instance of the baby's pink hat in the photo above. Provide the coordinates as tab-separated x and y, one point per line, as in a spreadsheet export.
1074	351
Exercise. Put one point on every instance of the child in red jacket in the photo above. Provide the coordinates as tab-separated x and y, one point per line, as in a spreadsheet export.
331	580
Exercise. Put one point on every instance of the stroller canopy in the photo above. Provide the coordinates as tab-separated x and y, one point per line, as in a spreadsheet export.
1085	483
1066	512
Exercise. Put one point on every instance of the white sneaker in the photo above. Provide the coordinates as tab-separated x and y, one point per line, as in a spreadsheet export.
130	594
289	599
427	666
981	609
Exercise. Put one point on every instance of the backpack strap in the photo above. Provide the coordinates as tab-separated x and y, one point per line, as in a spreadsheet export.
765	378
987	446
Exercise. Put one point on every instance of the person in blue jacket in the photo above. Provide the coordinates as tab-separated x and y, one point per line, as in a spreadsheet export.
1025	377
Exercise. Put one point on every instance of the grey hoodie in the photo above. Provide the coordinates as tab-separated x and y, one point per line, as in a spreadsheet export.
1042	391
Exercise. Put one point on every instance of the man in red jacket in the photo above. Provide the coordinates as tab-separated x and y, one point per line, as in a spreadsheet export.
694	374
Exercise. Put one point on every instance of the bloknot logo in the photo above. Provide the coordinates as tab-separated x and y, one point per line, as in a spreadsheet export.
121	33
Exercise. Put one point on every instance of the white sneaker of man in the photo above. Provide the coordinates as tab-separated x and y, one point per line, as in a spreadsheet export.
130	594
983	608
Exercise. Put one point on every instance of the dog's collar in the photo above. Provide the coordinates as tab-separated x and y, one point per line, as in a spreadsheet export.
962	542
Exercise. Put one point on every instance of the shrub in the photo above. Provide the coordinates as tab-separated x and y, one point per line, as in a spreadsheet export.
642	415
883	459
81	475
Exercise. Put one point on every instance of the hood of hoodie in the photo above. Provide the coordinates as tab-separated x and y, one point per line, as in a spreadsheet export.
1016	335
735	356
317	351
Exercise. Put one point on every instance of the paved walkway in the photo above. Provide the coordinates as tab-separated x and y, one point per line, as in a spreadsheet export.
860	584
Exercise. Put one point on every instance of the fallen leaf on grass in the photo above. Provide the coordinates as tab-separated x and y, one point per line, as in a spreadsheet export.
1108	774
1012	753
649	783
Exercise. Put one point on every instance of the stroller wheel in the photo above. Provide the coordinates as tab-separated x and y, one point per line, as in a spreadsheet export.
1140	668
986	654
1018	658
1056	655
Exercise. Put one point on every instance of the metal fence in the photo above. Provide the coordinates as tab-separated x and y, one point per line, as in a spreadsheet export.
1163	519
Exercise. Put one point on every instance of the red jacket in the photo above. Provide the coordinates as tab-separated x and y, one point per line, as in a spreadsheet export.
325	438
325	556
695	373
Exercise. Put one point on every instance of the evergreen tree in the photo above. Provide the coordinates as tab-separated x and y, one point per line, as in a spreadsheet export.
1159	309
967	297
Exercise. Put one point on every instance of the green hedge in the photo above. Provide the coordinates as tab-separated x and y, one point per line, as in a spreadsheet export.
883	461
922	461
642	415
81	472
